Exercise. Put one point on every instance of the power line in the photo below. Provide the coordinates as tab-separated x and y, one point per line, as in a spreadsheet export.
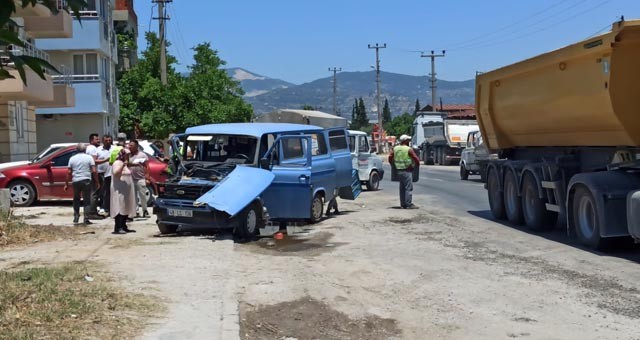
525	27
515	23
174	14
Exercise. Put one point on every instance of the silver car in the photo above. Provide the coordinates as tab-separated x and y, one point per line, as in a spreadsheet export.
368	163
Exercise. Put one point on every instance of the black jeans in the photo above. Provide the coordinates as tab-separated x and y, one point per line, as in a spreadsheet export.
96	195
82	189
106	197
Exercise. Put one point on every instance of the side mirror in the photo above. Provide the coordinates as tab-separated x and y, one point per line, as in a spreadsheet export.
265	163
47	165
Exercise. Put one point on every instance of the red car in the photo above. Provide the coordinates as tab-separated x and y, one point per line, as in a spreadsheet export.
43	179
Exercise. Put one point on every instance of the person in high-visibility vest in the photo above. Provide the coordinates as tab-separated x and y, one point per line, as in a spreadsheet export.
121	143
404	159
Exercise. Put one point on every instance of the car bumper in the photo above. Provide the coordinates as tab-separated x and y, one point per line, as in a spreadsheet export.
202	217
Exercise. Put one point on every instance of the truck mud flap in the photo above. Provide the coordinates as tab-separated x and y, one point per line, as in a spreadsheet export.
633	214
236	191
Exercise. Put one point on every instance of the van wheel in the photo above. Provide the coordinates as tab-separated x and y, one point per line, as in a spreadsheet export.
536	215
167	228
585	218
374	181
464	174
249	221
512	202
22	193
496	202
317	208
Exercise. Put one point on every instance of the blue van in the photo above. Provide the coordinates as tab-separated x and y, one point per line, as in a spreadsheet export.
240	175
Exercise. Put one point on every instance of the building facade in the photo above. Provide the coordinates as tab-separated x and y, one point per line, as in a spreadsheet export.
125	22
19	100
91	56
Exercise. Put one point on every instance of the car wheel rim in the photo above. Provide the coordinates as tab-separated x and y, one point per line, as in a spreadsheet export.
317	208
252	221
586	217
20	194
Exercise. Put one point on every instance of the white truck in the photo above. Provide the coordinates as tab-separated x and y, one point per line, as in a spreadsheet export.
440	138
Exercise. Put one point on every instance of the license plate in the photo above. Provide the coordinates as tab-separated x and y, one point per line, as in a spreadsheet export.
180	213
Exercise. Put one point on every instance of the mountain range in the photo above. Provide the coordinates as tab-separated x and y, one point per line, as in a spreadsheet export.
267	94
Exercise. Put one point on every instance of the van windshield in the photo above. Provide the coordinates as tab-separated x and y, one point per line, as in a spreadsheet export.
233	149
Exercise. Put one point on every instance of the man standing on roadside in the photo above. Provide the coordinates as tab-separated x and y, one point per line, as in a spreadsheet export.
96	191
139	165
104	154
81	171
404	159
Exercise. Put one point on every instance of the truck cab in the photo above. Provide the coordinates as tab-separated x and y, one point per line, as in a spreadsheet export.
238	176
440	138
367	162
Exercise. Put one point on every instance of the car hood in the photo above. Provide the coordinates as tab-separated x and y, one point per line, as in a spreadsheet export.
236	191
4	166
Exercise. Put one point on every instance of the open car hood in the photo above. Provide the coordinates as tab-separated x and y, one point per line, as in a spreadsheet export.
236	191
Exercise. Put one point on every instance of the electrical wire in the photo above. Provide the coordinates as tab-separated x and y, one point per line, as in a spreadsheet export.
180	36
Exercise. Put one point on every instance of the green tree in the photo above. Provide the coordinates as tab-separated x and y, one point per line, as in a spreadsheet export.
400	125
360	119
354	115
415	111
9	37
386	112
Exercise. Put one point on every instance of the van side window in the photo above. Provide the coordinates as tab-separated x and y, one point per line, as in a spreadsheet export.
337	140
292	149
318	145
352	143
363	145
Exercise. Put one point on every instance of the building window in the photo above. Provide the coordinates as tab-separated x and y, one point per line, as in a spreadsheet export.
91	5
85	64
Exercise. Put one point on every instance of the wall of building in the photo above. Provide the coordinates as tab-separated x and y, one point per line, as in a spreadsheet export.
17	132
72	128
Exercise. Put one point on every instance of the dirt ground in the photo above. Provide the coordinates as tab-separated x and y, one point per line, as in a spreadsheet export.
374	272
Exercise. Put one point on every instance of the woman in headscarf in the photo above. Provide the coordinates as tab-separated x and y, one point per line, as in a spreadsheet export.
123	198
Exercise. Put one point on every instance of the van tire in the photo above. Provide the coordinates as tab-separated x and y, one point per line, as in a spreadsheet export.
464	174
249	221
167	228
317	208
374	181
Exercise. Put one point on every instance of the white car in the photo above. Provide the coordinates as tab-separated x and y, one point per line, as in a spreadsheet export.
44	153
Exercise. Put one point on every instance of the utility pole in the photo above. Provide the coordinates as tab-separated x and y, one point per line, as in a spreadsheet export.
377	47
335	88
433	57
162	17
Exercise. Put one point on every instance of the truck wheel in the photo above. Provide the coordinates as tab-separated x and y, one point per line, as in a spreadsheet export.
167	228
429	156
536	215
585	218
374	181
496	202
22	193
249	221
464	174
317	208
512	202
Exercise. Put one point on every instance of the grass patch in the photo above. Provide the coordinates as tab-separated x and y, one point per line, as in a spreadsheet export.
14	231
59	303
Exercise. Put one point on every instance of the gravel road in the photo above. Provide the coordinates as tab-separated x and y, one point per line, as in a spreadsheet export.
443	271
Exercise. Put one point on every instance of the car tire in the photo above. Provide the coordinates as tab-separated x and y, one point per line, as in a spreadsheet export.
151	199
496	199
22	193
586	218
374	181
249	221
317	209
536	215
167	228
464	174
512	202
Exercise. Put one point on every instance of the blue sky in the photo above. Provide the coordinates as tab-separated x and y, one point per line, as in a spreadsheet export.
298	40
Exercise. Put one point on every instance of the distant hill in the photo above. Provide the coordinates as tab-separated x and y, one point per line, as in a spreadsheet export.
255	84
401	91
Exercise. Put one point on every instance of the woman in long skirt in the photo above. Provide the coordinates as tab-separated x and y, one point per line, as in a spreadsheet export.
123	199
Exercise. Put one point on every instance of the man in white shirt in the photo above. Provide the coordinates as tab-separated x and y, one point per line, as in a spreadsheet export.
82	169
96	191
104	168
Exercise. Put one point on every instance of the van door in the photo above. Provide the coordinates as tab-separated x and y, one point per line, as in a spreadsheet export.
290	194
339	145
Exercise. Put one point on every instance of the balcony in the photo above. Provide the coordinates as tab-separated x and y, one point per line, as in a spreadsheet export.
90	97
36	88
58	25
38	11
87	35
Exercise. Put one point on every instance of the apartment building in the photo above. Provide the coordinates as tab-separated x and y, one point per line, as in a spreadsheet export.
125	22
91	56
19	101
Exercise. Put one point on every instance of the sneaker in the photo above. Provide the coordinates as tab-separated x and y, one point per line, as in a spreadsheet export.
145	214
102	212
127	230
76	219
87	222
412	206
119	232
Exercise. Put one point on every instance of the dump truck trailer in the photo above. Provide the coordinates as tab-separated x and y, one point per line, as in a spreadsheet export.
566	127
